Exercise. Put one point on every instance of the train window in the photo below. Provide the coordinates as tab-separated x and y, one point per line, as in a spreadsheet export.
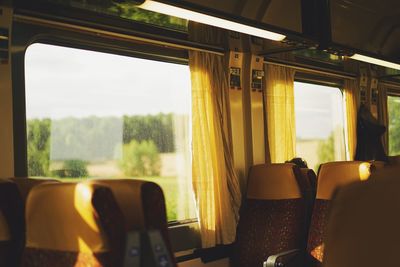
99	115
319	123
129	11
394	125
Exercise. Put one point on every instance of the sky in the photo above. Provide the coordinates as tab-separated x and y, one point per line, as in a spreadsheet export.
318	109
66	82
63	82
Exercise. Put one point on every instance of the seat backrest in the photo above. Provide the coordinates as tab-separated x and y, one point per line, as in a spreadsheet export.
73	224
10	227
136	197
363	228
273	214
14	192
331	176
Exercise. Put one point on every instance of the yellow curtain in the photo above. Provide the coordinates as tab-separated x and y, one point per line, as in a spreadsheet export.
279	105
383	115
351	98
215	183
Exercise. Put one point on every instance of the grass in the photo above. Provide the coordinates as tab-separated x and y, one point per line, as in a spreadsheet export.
172	195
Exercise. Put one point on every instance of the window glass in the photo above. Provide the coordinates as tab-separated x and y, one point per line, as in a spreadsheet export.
127	10
319	124
99	115
394	125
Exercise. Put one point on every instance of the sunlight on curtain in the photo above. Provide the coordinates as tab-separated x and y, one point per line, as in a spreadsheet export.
383	117
351	96
215	183
279	104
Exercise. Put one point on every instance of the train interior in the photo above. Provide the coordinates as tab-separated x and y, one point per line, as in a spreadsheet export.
199	133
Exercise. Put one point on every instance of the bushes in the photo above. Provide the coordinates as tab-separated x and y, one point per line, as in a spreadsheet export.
140	159
75	168
72	168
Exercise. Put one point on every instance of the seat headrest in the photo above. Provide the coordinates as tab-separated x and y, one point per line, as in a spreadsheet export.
66	217
25	184
334	174
273	181
143	197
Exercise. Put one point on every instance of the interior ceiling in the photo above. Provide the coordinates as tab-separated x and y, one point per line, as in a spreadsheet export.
368	25
268	12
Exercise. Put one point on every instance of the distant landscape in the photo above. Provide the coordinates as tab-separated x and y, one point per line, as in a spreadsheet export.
147	147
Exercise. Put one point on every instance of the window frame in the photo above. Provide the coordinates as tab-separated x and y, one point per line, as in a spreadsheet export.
392	93
26	34
327	81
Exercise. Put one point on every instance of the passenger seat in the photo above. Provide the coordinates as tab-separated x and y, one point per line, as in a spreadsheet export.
363	228
273	215
73	224
143	206
330	176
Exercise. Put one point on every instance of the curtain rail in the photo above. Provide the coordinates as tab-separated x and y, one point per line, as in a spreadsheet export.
393	85
315	70
170	42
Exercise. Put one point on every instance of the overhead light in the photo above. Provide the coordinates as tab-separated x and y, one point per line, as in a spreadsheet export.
376	61
209	20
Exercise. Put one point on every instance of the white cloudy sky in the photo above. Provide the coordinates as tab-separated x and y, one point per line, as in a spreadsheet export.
318	109
63	82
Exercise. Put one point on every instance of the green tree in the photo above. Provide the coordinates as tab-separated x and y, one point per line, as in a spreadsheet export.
158	128
394	125
75	168
140	159
38	141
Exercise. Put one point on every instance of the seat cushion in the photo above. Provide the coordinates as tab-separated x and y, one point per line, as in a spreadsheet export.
319	219
268	227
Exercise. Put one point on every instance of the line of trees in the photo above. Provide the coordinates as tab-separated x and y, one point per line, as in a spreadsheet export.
70	140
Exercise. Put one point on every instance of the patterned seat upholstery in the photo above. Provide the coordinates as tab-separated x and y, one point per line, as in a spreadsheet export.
73	224
136	197
330	176
272	217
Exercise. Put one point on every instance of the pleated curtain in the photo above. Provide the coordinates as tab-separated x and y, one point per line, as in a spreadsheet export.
351	99
215	183
280	113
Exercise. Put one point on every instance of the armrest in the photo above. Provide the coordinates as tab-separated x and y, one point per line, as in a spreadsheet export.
284	259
